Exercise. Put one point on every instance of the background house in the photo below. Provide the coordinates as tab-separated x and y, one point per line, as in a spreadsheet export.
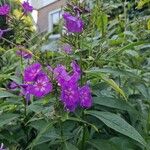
47	13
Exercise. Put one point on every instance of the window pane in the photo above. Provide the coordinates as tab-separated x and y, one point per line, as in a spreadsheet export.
56	17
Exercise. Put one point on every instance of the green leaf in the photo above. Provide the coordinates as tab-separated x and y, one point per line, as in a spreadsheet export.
44	135
69	146
118	124
83	121
6	119
35	108
4	94
114	85
128	47
124	143
113	103
102	144
112	71
102	22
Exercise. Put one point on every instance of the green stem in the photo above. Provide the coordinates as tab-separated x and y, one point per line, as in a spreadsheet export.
81	67
80	55
83	139
8	41
59	119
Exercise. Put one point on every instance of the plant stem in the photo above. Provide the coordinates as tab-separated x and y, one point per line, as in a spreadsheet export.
8	41
80	55
81	67
83	139
83	136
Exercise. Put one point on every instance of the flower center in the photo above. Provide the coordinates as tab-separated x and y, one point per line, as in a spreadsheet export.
39	85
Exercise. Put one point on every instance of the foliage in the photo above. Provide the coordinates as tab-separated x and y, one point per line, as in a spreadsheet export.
113	53
20	25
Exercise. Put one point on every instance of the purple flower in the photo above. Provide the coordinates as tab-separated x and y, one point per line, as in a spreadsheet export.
67	48
13	85
27	7
24	53
31	72
76	71
69	85
85	97
3	31
61	75
2	147
37	83
41	86
70	97
4	10
25	91
73	24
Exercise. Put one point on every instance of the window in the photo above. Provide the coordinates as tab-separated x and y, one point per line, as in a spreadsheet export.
54	18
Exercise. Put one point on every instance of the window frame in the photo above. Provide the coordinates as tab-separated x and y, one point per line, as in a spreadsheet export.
50	23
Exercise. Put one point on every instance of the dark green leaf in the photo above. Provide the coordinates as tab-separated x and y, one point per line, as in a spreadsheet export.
118	124
6	119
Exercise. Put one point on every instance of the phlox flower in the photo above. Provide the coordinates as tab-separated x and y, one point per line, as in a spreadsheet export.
72	23
70	97
41	86
27	7
85	96
31	72
4	10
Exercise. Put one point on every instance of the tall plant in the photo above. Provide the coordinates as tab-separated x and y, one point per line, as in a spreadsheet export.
92	94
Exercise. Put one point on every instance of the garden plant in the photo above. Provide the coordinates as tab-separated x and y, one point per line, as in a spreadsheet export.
93	93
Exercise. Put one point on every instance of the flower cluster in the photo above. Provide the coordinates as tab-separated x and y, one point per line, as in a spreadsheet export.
4	10
36	82
71	94
73	24
27	7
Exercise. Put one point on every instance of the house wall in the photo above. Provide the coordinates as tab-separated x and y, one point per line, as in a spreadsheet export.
37	4
43	14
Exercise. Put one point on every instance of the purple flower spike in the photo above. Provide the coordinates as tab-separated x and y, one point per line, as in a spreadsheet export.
41	86
24	53
27	7
31	72
70	97
67	48
4	10
73	24
85	97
